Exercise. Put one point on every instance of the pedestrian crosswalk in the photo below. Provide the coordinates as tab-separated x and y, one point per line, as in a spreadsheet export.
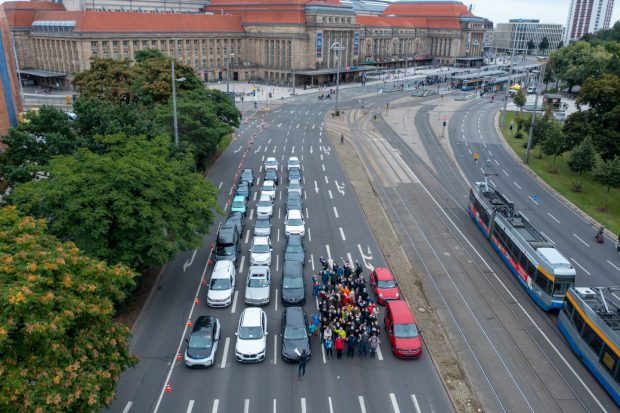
391	403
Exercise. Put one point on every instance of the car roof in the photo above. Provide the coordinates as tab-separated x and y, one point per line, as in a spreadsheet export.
294	182
258	271
251	317
263	218
204	321
260	239
239	198
264	197
294	213
295	316
293	158
293	267
384	274
222	269
294	239
401	313
292	195
271	158
269	182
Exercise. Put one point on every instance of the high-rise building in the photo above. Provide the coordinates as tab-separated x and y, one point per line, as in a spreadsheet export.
518	32
587	16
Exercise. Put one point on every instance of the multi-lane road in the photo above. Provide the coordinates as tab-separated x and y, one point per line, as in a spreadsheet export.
513	355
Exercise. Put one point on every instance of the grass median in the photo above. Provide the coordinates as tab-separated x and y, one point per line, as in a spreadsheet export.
592	197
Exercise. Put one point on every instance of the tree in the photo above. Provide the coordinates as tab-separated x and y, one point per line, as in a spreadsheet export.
60	350
579	61
582	160
520	99
553	143
577	127
608	174
549	74
134	204
107	79
560	44
543	45
530	46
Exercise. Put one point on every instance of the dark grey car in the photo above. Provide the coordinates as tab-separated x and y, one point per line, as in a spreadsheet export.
293	201
295	250
292	284
294	333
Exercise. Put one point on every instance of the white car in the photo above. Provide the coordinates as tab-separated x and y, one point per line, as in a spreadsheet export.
262	226
264	206
257	286
293	162
222	284
295	186
269	188
271	164
260	251
251	336
294	223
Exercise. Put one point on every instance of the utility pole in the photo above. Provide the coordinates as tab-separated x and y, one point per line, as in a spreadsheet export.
174	98
293	64
338	48
533	123
512	61
227	70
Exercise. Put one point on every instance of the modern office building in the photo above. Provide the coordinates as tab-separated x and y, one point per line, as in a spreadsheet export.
517	33
10	103
257	39
587	16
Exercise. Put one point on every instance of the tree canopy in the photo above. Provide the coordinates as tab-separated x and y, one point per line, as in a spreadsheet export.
544	44
579	61
60	350
134	204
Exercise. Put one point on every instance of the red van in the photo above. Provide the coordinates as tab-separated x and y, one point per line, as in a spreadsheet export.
402	330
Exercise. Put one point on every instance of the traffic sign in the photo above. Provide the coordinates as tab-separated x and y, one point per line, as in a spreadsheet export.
444	117
535	198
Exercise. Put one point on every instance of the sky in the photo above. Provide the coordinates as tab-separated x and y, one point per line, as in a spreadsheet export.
547	11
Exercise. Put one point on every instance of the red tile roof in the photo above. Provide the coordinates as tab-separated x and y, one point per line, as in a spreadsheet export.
124	22
430	9
263	11
377	21
21	13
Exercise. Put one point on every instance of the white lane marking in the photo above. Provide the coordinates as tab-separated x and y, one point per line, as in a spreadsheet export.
247	236
127	407
329	253
496	162
532	199
321	156
258	181
323	166
312	261
326	180
241	263
323	353
580	266
362	405
274	406
316	187
504	171
234	304
379	354
251	214
517	185
246	406
278	228
394	403
309	235
331	407
279	213
584	243
274	148
306	213
554	218
329	191
548	237
293	149
350	258
305	195
310	149
492	183
255	194
276	300
416	406
336	212
303	405
189	262
258	150
610	263
342	234
220	185
190	406
216	405
225	354
277	261
275	349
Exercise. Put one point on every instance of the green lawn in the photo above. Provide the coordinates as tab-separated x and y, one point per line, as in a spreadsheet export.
592	197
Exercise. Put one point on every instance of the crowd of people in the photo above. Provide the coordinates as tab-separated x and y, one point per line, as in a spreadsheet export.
347	317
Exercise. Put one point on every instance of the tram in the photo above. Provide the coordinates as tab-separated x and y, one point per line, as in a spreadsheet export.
590	322
544	273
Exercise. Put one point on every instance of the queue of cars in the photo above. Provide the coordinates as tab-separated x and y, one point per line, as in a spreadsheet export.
251	333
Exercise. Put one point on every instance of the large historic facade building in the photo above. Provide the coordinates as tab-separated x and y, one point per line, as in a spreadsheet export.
255	39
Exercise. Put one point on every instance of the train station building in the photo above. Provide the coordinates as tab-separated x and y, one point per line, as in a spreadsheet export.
257	40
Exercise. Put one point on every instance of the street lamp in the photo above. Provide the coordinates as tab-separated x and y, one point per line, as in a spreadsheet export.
228	56
337	47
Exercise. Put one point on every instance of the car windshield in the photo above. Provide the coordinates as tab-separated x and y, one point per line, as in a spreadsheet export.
225	250
258	282
386	284
295	333
294	204
405	330
268	187
271	162
202	340
262	223
250	333
239	204
220	284
294	222
294	248
260	248
263	203
293	185
292	282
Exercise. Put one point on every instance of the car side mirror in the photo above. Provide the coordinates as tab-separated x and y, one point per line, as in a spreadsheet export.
236	333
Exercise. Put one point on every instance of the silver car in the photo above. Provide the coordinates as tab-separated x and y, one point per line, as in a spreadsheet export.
257	286
262	226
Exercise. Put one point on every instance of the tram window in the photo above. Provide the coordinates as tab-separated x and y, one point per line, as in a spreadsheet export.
567	307
542	281
617	376
593	340
530	269
609	359
560	288
578	321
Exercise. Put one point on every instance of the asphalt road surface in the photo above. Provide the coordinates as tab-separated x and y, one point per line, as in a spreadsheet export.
336	228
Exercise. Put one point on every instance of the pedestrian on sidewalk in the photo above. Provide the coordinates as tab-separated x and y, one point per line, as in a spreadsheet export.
341	138
303	358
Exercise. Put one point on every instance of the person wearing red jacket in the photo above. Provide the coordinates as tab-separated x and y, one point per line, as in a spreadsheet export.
339	346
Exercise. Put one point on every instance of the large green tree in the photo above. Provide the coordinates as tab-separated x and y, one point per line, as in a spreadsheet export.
520	99
582	160
608	174
107	79
530	46
553	143
60	350
544	44
579	61
134	204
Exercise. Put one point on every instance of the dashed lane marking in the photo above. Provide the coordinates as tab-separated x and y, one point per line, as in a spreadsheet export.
312	261
394	403
241	263
336	212
342	234
329	191
247	236
246	406
379	354
331	407
584	243
303	405
554	218
580	266
234	303
610	263
127	407
416	406
251	214
362	404
309	235
517	185
224	357
275	349
190	406
329	253
216	405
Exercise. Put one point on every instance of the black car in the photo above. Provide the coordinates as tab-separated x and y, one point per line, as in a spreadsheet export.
202	342
272	175
238	219
292	284
243	189
293	201
247	175
227	243
294	173
294	333
295	249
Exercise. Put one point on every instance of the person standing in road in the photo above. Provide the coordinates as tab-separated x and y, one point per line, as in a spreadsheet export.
373	343
303	358
351	344
339	344
364	344
329	351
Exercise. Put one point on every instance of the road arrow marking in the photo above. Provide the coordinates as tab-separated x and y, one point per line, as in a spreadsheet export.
340	188
366	258
316	187
189	262
256	151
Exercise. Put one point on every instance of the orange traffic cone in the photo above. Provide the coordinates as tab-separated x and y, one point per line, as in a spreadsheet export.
203	282
168	388
189	323
196	301
179	356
